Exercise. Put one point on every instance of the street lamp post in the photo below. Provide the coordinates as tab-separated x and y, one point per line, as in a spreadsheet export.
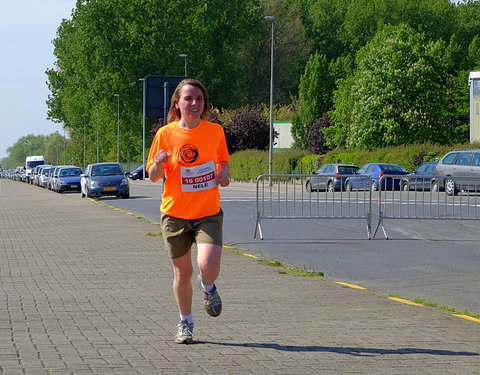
270	148
64	146
185	57
84	141
118	127
98	145
144	80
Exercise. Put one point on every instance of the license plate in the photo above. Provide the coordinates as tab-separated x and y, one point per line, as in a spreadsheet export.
74	186
110	188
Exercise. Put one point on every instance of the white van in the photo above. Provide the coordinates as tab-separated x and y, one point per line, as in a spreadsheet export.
30	163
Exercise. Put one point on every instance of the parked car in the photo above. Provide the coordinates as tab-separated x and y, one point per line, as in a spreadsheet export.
50	177
54	176
137	174
327	180
38	173
68	179
43	176
459	163
421	178
103	179
371	177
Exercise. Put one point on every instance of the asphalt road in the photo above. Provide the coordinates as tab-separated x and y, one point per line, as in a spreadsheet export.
437	261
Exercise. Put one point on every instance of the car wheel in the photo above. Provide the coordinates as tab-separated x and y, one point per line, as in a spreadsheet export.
450	188
308	186
126	195
82	194
405	186
88	194
374	187
434	187
330	187
348	186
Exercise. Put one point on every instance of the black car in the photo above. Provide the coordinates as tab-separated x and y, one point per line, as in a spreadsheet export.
137	174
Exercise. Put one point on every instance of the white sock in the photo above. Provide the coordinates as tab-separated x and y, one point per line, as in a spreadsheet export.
188	318
207	288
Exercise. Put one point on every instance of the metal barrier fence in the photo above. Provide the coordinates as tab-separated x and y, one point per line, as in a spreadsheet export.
451	198
282	196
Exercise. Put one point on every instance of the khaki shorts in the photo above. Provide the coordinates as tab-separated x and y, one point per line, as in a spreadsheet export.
180	234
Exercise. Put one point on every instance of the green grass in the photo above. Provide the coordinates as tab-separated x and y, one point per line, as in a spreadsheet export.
290	270
467	313
421	301
236	250
451	309
150	234
282	268
394	295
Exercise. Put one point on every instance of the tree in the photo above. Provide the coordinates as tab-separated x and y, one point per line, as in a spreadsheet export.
315	138
291	51
399	94
107	45
55	149
246	130
314	96
323	20
25	146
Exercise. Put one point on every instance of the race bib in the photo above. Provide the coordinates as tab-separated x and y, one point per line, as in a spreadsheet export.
199	178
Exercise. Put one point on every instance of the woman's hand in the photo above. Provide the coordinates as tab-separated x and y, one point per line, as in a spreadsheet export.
161	157
155	172
223	177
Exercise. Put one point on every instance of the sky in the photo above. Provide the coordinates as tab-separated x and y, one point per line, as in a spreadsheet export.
27	28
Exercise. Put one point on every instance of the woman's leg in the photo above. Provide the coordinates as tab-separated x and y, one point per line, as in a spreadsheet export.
182	282
208	260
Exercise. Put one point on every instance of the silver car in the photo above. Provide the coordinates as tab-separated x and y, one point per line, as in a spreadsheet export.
330	177
455	165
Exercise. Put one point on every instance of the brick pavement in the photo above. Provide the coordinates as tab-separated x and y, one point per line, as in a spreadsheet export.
85	290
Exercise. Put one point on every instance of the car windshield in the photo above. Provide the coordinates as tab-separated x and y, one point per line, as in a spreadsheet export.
70	172
106	170
346	170
391	168
32	164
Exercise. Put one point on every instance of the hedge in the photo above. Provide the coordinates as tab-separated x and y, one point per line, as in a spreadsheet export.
248	165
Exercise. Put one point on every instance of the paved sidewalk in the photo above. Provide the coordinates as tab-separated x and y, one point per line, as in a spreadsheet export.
85	290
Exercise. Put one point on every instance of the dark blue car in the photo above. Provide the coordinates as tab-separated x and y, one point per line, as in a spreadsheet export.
104	179
371	176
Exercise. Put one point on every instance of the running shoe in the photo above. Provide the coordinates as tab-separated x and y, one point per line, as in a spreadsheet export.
211	301
184	333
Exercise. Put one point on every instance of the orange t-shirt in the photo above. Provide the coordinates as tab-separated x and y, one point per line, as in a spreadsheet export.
190	190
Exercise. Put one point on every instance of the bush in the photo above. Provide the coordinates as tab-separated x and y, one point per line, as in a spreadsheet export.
409	156
249	164
315	138
309	164
246	130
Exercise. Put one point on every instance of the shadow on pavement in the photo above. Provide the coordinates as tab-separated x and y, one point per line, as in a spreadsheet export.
344	350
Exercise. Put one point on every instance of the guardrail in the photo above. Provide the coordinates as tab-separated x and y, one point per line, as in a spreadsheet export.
283	196
459	202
